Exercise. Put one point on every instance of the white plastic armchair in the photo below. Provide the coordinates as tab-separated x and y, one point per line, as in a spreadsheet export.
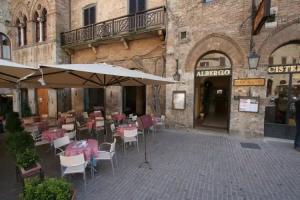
37	137
131	136
108	155
73	165
60	143
68	127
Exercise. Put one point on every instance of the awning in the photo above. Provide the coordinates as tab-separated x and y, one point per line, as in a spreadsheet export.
93	75
11	73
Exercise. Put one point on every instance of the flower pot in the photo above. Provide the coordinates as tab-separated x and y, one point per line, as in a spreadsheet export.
32	171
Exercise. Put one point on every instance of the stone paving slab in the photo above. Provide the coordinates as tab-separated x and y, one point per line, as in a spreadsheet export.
188	166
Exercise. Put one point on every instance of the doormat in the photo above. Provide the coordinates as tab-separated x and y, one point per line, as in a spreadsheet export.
250	145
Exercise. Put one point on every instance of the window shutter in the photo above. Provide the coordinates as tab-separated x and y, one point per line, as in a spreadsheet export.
86	17
132	6
141	5
92	15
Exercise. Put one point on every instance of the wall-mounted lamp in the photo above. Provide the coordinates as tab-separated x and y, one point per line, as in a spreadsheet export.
253	57
176	76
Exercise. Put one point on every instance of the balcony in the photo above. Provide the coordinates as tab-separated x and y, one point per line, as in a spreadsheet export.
129	26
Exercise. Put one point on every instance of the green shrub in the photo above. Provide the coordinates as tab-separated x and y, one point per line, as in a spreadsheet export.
27	159
19	142
13	123
49	189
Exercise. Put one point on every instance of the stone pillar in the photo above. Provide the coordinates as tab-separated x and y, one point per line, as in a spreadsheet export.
40	20
52	103
22	35
77	99
16	101
32	101
113	99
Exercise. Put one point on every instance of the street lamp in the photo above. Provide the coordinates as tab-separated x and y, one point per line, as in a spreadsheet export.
176	75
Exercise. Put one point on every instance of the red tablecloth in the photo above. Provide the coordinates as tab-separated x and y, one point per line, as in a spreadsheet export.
120	129
118	117
89	150
51	135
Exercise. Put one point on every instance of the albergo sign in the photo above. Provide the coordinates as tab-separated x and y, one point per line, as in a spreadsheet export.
284	69
213	72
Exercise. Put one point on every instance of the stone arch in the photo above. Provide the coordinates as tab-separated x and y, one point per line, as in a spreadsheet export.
19	10
279	37
44	5
215	43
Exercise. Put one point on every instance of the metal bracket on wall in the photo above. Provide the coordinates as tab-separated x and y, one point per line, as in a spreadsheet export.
125	43
94	49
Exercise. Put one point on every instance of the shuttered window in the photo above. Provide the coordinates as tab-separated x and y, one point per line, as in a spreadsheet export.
136	6
89	15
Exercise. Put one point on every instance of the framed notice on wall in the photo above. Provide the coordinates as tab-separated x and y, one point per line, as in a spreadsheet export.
249	104
178	100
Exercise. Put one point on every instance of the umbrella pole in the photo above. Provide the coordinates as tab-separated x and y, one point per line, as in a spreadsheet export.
146	163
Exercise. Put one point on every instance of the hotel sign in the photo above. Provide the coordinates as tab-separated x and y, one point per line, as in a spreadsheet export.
284	69
216	72
263	11
249	82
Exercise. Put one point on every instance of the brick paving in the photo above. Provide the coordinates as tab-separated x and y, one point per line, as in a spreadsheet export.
187	165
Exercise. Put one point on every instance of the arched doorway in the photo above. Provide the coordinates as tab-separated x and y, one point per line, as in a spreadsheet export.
283	89
212	91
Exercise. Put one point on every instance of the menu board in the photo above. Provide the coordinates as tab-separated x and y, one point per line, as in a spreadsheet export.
248	104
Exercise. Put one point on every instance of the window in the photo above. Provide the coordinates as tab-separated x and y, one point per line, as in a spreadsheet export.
136	6
44	26
183	35
25	30
89	15
207	1
18	23
283	60
4	46
271	61
37	27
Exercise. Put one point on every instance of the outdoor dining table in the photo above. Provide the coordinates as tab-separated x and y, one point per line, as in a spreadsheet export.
121	128
89	148
53	134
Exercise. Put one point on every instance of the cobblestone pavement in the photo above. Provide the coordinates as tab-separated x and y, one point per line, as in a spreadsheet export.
188	165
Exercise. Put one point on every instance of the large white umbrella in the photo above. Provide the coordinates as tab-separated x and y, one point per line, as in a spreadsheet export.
92	75
12	74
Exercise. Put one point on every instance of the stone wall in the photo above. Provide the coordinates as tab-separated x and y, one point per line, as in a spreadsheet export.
143	54
223	26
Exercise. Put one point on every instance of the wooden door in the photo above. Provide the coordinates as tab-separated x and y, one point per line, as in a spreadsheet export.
42	99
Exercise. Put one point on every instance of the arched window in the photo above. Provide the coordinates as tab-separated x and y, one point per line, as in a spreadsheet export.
4	47
25	30
44	26
37	27
18	23
214	60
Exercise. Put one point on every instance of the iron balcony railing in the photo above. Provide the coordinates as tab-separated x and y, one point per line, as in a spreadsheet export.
142	21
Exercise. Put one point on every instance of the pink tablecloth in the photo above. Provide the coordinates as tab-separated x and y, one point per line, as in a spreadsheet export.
118	117
88	151
121	128
90	124
51	135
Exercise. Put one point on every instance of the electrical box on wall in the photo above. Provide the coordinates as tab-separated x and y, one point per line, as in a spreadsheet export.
272	19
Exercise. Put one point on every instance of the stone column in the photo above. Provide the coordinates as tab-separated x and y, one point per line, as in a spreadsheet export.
22	35
40	20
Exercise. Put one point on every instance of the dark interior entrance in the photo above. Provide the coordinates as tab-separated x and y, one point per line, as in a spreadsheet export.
212	100
134	100
94	98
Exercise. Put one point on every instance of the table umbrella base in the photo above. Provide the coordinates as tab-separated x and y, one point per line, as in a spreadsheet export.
145	164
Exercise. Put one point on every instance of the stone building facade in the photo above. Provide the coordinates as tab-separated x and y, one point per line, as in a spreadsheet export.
198	29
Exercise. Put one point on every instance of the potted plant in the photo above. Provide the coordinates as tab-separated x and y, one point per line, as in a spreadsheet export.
50	188
27	161
19	142
13	123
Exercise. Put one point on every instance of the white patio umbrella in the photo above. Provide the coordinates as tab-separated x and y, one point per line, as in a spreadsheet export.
12	74
92	75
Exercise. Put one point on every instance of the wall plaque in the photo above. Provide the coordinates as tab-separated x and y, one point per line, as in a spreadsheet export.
212	72
284	69
263	11
249	104
249	82
178	100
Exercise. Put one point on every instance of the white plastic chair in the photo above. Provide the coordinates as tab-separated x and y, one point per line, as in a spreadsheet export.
71	135
85	115
130	136
161	121
134	118
70	120
112	129
73	165
140	131
37	137
99	126
60	143
108	155
68	127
